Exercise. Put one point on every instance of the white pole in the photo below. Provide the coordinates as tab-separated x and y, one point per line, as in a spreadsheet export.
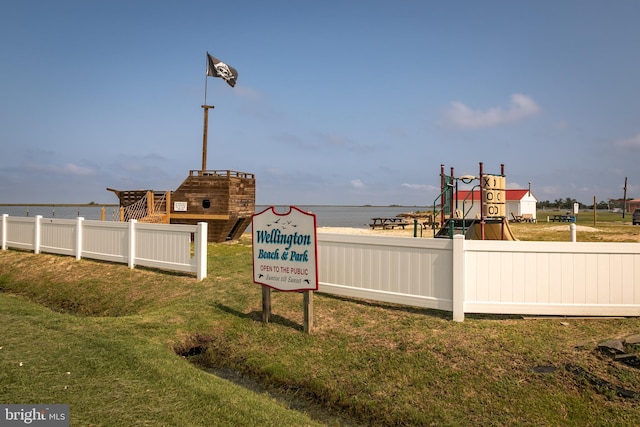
572	232
5	217
79	221
36	237
458	277
132	243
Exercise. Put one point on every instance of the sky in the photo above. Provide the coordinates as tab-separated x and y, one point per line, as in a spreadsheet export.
347	102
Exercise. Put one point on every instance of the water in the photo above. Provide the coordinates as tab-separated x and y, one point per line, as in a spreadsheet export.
65	212
326	216
349	216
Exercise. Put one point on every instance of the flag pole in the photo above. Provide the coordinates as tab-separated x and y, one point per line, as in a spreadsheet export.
206	119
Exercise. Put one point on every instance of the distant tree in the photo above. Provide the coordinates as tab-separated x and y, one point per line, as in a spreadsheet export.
569	202
543	204
558	203
563	204
616	203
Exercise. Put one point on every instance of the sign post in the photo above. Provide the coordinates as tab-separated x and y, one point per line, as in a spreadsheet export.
266	304
285	256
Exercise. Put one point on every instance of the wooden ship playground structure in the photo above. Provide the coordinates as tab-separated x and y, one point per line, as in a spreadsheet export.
224	199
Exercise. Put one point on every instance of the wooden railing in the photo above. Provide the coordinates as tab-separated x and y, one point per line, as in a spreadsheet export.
222	173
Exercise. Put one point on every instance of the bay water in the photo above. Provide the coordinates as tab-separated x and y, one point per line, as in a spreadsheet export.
326	215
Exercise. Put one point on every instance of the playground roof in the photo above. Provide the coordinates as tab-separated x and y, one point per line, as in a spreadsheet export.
511	195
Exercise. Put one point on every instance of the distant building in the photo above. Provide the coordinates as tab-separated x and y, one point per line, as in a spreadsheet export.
632	205
518	203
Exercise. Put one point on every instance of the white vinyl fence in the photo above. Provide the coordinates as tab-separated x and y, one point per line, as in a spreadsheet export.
473	276
163	246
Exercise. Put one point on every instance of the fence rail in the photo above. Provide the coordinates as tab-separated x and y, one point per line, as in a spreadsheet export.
164	246
496	277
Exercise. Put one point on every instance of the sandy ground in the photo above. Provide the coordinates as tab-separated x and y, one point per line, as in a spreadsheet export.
428	233
407	232
582	228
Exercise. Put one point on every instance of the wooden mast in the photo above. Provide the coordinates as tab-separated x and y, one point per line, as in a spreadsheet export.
205	135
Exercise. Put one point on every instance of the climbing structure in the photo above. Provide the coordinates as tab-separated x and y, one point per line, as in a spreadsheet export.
488	223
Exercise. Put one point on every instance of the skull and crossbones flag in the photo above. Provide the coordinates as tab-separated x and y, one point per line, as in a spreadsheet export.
217	68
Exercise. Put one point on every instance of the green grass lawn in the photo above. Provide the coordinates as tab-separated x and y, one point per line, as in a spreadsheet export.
134	347
102	339
604	227
116	371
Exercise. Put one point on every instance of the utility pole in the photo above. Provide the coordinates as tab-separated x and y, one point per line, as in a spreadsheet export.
624	198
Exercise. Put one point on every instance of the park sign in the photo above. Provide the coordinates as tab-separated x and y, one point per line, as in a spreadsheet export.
284	250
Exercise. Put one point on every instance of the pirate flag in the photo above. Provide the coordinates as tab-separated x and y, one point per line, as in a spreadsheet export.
217	68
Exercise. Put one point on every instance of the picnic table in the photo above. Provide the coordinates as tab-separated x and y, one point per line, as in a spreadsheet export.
522	218
562	218
430	222
388	223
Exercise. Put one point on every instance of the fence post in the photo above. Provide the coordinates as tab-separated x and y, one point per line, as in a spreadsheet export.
79	221
132	243
458	278
36	234
200	250
5	218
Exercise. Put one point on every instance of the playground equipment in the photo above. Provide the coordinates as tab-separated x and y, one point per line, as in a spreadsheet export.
224	199
490	223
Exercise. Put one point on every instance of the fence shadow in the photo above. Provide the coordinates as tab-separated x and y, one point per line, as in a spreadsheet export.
445	315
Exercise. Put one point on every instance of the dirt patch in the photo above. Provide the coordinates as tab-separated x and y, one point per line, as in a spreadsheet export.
581	228
533	232
406	232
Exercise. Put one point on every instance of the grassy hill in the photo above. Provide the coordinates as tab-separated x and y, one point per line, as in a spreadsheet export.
145	347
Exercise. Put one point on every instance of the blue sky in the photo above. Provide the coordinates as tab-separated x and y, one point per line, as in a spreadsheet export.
337	102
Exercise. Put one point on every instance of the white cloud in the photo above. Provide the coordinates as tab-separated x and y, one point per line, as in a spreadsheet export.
461	116
247	92
333	140
420	187
67	169
561	125
294	140
397	132
276	172
320	140
514	185
629	143
132	167
357	183
72	169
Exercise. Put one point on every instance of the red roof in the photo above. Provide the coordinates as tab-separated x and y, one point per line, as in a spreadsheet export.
512	195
